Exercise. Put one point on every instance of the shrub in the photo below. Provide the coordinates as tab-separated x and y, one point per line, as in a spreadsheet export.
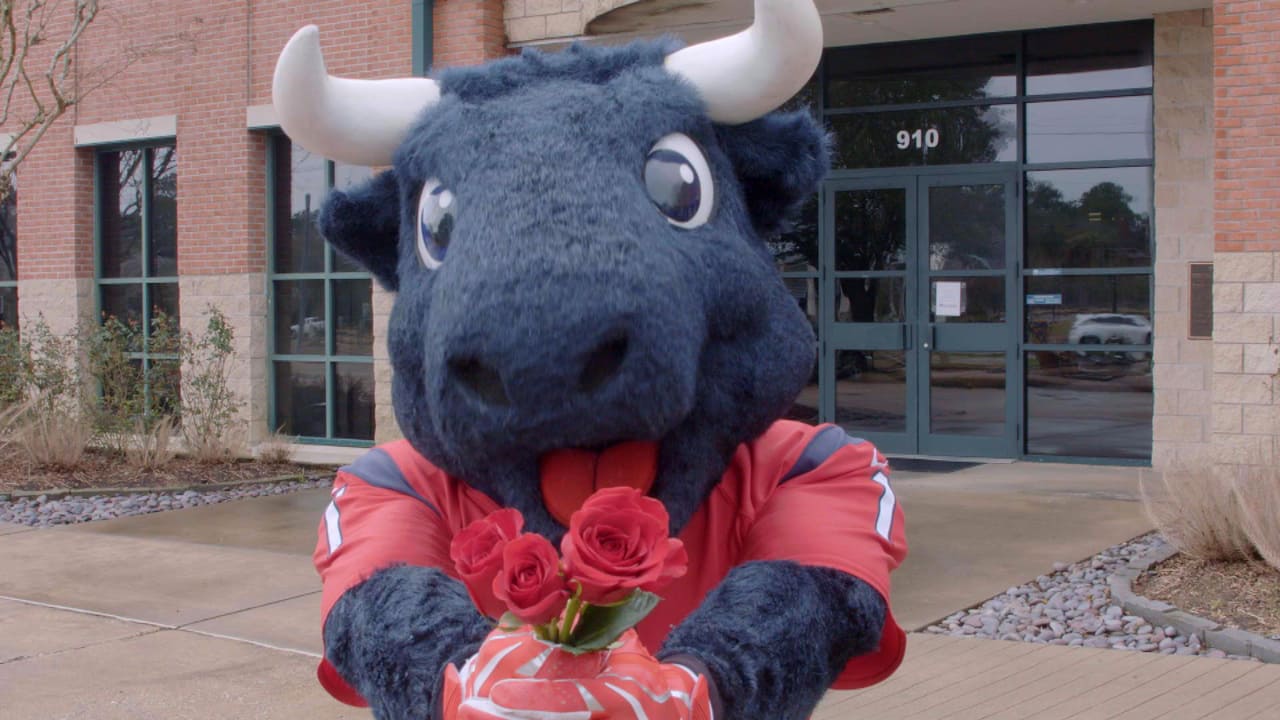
54	438
132	399
209	423
1197	509
277	448
150	446
13	386
51	427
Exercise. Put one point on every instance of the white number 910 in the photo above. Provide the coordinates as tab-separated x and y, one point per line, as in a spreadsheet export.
921	139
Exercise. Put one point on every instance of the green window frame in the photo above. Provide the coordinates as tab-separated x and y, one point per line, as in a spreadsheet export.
320	374
136	255
1028	95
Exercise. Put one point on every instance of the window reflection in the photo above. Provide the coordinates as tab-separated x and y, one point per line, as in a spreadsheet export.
353	400
967	393
1089	405
8	307
9	237
1102	310
1089	218
121	190
944	136
299	246
796	251
936	70
870	300
967	227
300	398
871	390
163	242
871	229
1098	129
1092	58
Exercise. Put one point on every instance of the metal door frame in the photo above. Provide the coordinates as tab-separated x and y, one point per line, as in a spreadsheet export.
1005	444
910	334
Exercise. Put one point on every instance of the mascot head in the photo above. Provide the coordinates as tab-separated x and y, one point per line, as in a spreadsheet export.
575	240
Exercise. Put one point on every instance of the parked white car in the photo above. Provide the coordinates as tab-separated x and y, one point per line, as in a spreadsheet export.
1110	329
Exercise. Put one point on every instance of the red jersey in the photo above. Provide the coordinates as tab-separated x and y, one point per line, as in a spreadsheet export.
810	495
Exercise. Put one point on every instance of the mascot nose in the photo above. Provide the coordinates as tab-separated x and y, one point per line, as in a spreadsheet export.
486	381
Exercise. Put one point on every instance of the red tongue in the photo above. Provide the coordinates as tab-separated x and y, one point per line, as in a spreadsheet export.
569	477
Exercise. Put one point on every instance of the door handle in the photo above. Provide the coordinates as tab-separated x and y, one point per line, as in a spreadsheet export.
928	339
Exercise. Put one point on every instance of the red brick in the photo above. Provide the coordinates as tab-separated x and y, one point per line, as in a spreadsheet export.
224	56
1246	168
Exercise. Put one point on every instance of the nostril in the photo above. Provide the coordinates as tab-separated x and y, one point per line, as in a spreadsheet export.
603	363
480	379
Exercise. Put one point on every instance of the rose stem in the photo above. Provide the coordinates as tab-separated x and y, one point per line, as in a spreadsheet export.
570	612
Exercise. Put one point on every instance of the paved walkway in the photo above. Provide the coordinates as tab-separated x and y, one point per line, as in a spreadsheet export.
213	612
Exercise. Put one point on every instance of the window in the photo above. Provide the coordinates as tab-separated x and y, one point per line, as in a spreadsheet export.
321	307
137	256
9	261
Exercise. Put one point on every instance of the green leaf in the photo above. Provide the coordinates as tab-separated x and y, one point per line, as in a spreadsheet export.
510	622
600	625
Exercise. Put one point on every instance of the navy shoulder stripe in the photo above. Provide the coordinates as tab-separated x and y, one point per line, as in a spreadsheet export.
379	469
820	448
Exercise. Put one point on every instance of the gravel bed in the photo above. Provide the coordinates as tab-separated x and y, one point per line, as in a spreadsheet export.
1072	606
44	511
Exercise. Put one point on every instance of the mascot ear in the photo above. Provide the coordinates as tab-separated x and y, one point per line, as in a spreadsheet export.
779	159
363	223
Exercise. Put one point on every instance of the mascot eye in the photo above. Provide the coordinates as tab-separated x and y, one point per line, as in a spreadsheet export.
678	179
435	223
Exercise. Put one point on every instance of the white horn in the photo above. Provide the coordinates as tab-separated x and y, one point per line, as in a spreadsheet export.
360	122
747	75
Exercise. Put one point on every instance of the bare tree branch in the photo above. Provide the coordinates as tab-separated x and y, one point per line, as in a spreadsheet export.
33	100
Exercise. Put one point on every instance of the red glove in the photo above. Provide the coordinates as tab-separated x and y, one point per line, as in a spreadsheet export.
516	676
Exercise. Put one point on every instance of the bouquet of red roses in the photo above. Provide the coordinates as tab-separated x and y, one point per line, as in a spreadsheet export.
565	647
616	553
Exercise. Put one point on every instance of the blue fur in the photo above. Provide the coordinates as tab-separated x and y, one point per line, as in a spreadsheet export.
775	635
557	248
391	636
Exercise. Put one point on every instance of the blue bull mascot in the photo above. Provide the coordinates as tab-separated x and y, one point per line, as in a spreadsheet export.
576	244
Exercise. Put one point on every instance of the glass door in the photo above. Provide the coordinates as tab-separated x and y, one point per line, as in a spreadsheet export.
918	346
967	348
868	370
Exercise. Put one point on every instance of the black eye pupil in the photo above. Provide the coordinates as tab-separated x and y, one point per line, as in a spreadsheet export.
442	232
673	184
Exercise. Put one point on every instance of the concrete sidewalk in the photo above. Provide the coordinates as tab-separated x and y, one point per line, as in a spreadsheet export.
213	612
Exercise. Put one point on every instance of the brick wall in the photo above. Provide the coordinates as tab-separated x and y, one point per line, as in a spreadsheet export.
1247	230
206	63
1246	65
1184	231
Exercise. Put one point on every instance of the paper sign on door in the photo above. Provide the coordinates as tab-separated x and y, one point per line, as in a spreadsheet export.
948	299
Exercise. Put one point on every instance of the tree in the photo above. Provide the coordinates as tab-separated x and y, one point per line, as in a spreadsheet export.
40	76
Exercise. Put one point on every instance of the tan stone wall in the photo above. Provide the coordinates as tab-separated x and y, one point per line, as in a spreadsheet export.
384	416
529	21
64	303
1246	356
1184	231
242	298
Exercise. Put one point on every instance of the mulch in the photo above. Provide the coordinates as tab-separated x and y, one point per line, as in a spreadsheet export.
1241	594
102	469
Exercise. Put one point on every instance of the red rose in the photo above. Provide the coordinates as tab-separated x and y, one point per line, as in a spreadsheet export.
617	542
477	556
531	583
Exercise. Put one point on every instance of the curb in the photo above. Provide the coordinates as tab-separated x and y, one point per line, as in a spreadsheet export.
1161	614
171	489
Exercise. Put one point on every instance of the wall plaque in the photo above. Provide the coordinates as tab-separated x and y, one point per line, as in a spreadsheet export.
1200	304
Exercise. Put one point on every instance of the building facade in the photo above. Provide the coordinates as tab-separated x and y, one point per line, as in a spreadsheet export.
1050	230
